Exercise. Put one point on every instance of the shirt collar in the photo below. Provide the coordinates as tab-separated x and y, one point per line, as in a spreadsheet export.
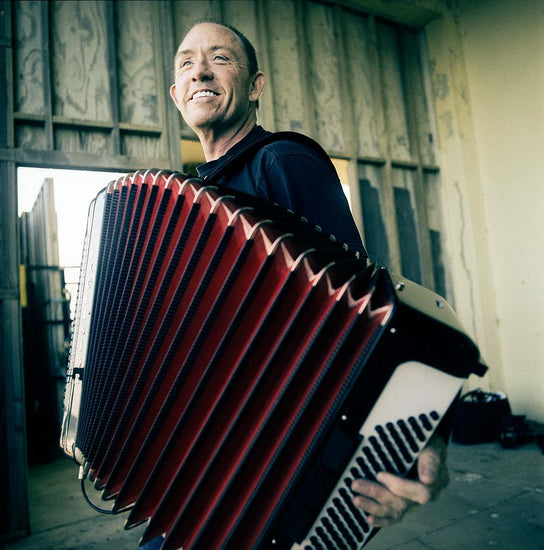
213	166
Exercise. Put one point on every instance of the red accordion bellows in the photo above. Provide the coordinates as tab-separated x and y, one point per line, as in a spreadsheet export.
233	368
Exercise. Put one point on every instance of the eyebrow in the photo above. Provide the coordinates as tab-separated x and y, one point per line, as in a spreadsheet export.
182	53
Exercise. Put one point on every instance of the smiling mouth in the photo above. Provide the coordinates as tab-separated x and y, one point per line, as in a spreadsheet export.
204	93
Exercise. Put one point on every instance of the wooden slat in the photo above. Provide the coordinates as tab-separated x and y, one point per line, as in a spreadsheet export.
29	58
305	67
78	160
400	147
324	77
381	208
382	178
6	76
136	53
286	72
408	227
418	128
431	186
419	108
13	459
81	141
111	48
169	117
80	60
349	117
47	75
43	253
362	85
139	146
266	116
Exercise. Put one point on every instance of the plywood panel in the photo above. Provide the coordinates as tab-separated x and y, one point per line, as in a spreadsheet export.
375	236
29	83
13	459
416	80
137	78
412	181
79	141
393	93
187	14
408	235
381	193
412	209
431	186
285	67
363	81
44	325
242	15
9	270
324	77
30	136
81	87
141	146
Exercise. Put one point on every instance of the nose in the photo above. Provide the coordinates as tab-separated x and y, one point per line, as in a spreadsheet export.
201	70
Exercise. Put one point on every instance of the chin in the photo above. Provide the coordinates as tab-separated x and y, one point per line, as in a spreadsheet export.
203	121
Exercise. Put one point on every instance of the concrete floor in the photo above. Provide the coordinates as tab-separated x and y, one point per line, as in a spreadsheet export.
495	500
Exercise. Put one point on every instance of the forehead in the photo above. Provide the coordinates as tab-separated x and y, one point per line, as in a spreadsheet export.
205	36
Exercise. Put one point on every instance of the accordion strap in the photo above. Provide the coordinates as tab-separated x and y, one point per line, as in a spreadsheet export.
251	150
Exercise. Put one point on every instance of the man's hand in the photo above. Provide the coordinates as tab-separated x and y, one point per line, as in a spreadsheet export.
386	502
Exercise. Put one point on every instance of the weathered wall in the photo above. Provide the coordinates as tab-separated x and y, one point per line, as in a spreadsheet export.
503	45
488	77
358	85
88	84
463	209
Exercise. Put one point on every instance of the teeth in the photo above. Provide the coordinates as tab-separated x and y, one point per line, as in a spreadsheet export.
205	94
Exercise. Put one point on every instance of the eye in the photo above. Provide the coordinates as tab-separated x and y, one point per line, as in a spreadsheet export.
220	58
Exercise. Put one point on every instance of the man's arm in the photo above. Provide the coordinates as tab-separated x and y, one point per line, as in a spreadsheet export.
297	178
305	185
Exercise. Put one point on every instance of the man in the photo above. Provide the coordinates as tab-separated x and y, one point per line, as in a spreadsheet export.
217	87
218	100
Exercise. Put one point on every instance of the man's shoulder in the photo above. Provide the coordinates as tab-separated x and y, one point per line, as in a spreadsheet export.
289	138
261	148
290	143
260	141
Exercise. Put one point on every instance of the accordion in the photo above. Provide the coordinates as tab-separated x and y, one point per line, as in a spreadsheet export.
233	369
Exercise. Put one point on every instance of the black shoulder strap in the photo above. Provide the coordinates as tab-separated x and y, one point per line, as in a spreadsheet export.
252	149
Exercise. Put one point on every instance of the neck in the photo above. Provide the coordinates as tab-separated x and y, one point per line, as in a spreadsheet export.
215	142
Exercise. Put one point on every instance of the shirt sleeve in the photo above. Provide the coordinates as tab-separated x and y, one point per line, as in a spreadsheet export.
299	179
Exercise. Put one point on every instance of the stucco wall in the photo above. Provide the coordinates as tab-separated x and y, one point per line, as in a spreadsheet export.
503	44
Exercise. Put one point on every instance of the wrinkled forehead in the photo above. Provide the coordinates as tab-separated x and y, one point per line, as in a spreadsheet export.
211	36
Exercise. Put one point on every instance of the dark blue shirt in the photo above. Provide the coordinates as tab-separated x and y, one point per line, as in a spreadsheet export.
292	174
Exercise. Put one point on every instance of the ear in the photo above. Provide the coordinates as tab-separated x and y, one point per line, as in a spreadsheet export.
257	86
173	95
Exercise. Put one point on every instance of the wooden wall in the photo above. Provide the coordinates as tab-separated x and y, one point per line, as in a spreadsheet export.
359	85
45	326
84	85
89	82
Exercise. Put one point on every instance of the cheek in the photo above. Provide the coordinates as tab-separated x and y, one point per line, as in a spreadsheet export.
180	89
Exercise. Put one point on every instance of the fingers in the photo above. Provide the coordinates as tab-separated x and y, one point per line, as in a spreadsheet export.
431	462
384	507
387	500
412	491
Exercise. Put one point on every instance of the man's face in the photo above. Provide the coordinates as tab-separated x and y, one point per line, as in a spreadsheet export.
212	88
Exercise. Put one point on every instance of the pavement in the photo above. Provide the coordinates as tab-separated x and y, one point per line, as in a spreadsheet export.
495	500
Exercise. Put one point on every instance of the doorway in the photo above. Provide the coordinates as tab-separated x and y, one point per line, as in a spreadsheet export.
52	214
